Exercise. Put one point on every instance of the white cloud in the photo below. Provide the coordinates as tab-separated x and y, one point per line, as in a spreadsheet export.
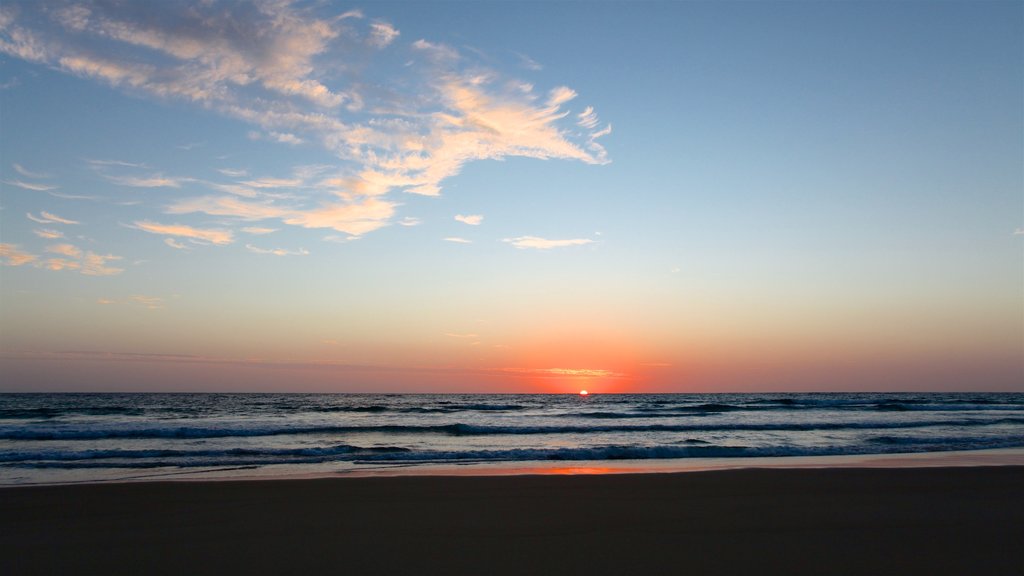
410	221
544	243
457	240
1018	232
354	218
154	181
560	96
28	173
151	302
382	34
47	218
175	244
183	231
285	70
273	183
48	234
529	63
471	219
258	230
277	251
30	185
587	118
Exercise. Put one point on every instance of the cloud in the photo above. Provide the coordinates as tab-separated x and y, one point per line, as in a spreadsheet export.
58	264
410	221
28	173
13	256
151	302
232	172
382	34
88	263
1018	232
47	218
354	218
273	183
472	219
155	181
74	196
30	185
529	63
457	240
279	137
48	234
175	244
560	96
65	250
277	251
295	74
465	336
258	230
587	118
96	265
544	243
183	231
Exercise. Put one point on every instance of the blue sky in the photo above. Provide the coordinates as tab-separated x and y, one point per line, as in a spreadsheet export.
506	196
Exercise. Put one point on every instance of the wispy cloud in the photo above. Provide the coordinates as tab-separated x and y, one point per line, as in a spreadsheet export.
1018	232
48	234
153	181
68	250
410	221
471	219
233	172
47	218
31	185
544	243
13	256
151	302
382	34
258	230
213	236
457	240
462	336
277	251
175	244
275	66
529	63
28	173
86	262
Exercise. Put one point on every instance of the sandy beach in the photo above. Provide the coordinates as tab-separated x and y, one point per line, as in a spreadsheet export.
967	520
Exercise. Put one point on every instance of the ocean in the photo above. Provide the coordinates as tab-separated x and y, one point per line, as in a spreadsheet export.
47	438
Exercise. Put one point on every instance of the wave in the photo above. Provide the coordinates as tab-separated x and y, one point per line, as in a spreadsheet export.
358	455
70	455
460	429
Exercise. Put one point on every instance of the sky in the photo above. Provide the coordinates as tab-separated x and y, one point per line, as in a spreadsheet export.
511	196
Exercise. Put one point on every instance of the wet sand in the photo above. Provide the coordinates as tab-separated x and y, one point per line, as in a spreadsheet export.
967	520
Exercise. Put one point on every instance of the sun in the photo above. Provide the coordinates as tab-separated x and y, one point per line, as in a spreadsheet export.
584	393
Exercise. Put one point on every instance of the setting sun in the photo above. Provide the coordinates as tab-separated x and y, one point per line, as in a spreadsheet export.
584	393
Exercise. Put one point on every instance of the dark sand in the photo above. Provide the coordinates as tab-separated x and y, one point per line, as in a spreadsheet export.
931	521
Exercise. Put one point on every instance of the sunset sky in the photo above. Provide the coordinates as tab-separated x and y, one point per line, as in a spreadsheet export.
511	196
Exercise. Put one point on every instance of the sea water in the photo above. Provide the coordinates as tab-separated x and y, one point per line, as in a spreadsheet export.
93	437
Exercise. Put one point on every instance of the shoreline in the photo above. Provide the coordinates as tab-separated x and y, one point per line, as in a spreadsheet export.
947	459
837	520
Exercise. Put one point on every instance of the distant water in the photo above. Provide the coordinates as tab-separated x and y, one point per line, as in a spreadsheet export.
86	437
